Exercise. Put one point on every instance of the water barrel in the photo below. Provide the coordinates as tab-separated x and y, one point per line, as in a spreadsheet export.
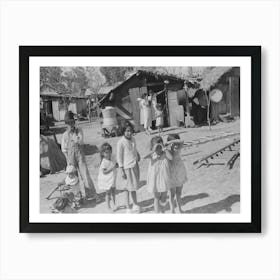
109	117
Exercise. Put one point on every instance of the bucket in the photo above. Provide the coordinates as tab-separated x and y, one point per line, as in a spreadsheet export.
109	117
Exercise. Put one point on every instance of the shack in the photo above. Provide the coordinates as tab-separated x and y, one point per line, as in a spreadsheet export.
227	80
124	96
55	104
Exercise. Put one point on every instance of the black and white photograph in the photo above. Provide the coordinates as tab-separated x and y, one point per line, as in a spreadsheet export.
133	136
140	140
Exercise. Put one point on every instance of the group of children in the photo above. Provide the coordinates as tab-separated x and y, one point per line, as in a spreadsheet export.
166	171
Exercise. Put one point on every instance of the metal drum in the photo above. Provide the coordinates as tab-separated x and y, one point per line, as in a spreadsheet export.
109	117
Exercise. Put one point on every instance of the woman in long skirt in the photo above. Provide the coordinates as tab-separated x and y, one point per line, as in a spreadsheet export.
72	147
146	109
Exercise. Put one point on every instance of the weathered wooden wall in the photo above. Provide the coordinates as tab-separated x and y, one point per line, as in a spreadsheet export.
229	84
176	111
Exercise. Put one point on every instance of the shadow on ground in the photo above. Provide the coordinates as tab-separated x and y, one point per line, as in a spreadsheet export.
147	205
189	198
224	204
142	184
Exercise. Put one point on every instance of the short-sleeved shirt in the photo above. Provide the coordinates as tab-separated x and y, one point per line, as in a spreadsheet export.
69	138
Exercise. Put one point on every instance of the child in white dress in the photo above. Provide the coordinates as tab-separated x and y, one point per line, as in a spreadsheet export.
159	116
178	171
107	175
158	179
128	157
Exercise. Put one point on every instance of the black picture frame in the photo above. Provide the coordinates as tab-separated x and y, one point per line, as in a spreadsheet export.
25	52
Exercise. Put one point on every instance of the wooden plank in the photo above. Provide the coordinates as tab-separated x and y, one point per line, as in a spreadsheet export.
172	104
232	160
134	94
216	152
229	94
235	103
55	110
176	112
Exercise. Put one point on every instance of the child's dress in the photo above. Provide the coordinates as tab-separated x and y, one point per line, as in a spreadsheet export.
158	179
127	158
106	181
178	171
159	118
146	112
158	115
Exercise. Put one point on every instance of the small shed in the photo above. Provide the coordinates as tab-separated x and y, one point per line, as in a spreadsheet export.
124	96
226	79
55	104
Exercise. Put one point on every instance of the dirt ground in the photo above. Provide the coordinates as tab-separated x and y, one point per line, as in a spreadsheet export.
210	189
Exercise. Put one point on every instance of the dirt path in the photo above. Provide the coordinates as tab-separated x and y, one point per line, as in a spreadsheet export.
213	189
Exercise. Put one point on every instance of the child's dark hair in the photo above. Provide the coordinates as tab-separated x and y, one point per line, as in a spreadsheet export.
105	147
156	140
173	136
126	125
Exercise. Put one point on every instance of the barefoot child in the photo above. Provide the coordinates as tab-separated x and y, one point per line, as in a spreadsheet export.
178	171
107	175
128	157
158	179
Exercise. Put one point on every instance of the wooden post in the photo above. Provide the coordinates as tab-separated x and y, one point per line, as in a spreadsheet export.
187	99
229	95
166	105
208	109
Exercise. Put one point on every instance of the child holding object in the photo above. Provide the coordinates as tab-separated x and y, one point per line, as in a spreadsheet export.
158	179
107	175
127	158
178	171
